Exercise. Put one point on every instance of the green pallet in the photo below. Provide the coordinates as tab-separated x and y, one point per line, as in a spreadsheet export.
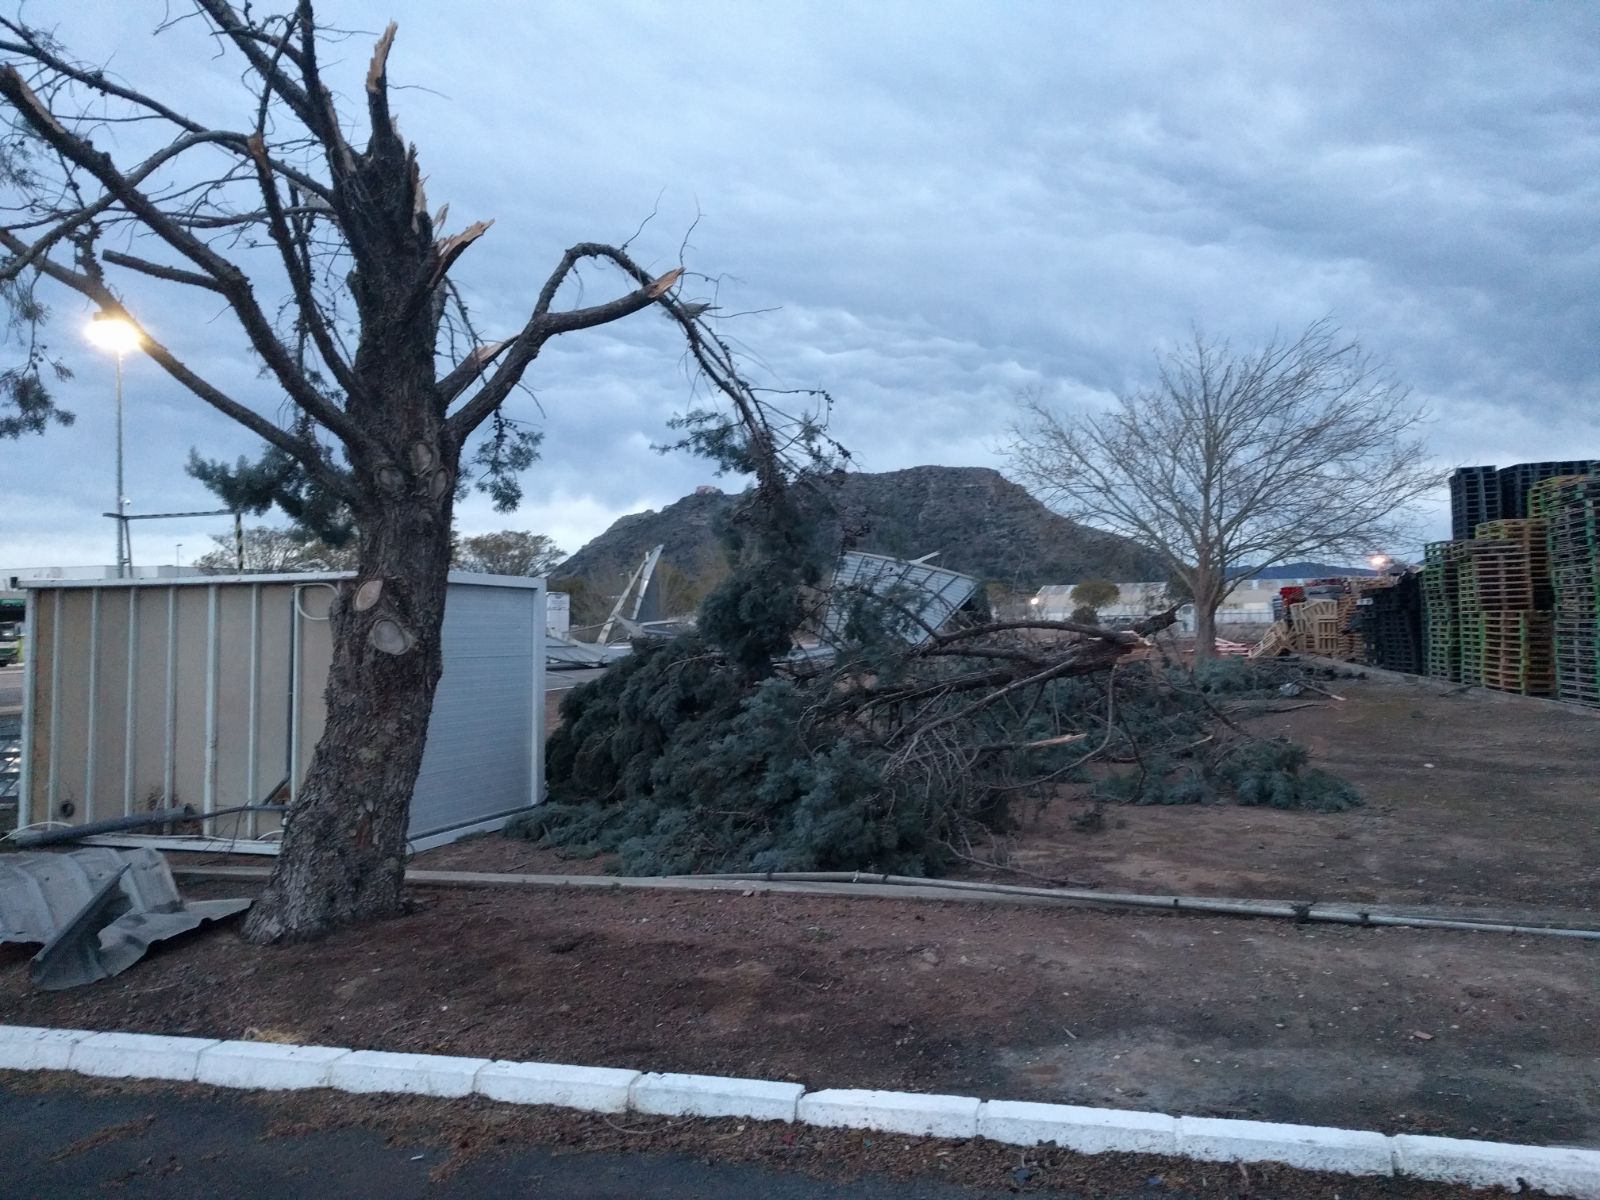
1550	496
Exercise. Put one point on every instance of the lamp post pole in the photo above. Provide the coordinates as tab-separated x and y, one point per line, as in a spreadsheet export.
124	550
118	336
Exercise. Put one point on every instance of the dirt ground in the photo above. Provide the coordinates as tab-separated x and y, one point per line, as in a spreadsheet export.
1466	1034
1472	802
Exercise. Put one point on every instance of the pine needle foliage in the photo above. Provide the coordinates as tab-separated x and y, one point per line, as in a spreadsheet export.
720	751
675	771
1197	756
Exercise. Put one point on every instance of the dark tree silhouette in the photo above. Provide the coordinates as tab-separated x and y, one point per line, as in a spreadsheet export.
321	245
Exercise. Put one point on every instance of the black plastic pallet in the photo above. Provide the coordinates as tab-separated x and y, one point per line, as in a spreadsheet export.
1516	482
1474	498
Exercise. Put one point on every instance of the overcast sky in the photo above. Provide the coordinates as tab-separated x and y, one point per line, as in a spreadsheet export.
942	204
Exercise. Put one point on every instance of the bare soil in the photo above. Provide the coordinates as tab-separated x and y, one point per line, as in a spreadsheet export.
1397	1030
1465	1034
1471	801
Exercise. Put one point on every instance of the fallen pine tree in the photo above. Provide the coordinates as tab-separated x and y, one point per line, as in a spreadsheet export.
896	758
904	747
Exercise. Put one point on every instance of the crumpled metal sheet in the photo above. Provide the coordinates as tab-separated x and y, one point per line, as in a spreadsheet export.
97	910
933	594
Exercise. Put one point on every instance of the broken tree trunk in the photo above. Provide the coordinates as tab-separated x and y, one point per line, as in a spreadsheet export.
344	841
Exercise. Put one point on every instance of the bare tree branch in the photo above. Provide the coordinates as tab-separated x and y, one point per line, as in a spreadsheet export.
544	324
230	280
162	271
86	285
29	47
1237	460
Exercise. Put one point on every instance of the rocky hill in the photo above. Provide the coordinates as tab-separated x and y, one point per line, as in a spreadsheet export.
980	522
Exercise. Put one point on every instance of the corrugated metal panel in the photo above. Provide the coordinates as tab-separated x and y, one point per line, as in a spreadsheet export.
40	893
932	593
478	762
208	689
96	910
145	692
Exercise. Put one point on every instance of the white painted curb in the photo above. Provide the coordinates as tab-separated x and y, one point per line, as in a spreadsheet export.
892	1112
412	1074
138	1056
268	1065
1561	1171
594	1089
1086	1130
1310	1147
714	1096
1557	1170
24	1048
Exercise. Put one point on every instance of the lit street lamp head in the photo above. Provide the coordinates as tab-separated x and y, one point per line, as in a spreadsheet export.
112	333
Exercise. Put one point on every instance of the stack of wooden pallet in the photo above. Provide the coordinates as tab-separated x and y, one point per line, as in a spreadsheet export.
1349	645
1441	605
1314	627
1507	630
1277	641
1390	620
1571	510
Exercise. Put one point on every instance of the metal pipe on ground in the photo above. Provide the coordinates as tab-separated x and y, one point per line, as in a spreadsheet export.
1306	912
30	839
904	887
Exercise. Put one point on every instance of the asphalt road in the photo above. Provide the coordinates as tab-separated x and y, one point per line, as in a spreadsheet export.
10	689
561	681
65	1143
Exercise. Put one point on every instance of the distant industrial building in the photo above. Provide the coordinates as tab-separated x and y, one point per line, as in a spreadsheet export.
1250	602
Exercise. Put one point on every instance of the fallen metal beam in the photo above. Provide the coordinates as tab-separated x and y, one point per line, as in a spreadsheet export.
29	839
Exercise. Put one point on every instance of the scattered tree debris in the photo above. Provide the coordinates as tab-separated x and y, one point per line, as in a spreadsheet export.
893	754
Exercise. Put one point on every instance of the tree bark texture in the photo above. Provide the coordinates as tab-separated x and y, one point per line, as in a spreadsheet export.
343	854
1205	632
1207	599
344	841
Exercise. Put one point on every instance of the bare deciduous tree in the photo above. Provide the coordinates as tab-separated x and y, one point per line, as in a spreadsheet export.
270	551
508	552
1233	459
319	241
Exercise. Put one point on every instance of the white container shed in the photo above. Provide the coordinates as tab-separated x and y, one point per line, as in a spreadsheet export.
208	692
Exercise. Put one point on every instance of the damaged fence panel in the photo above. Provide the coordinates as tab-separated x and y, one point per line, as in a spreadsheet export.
207	692
96	911
929	595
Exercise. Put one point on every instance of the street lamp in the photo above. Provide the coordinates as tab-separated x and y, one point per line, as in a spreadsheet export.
112	333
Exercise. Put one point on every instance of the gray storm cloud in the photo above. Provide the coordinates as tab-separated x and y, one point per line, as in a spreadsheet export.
944	204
